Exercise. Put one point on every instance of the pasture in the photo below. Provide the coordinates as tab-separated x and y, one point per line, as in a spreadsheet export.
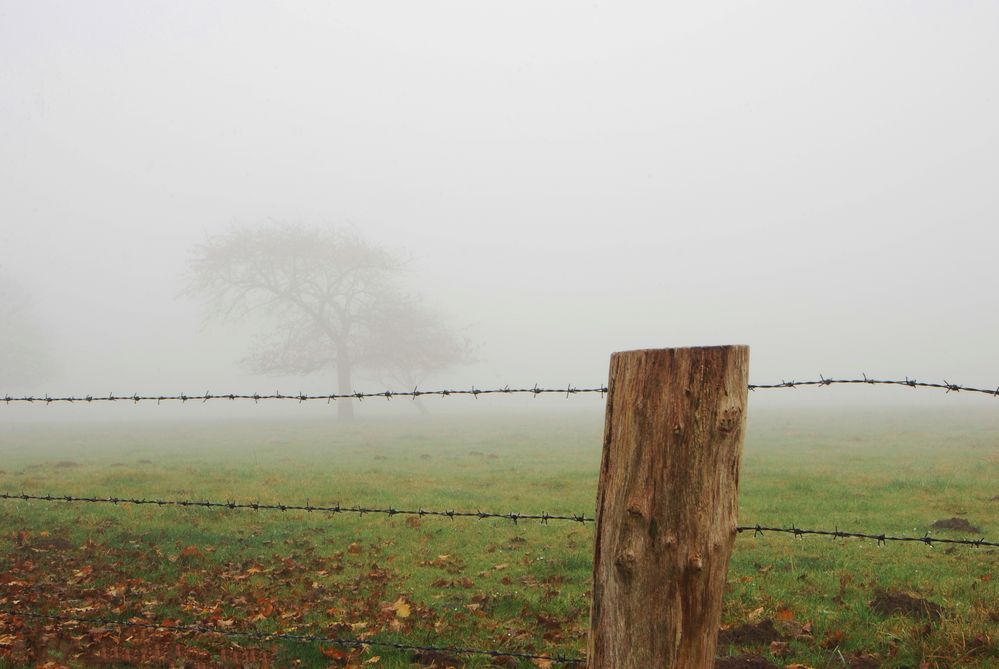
490	583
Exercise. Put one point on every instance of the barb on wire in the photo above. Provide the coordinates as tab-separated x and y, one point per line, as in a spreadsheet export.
759	530
415	393
307	638
544	517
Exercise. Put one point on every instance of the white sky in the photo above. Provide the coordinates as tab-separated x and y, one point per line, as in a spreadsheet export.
816	180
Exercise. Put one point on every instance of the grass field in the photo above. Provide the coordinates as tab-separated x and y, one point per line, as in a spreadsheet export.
479	583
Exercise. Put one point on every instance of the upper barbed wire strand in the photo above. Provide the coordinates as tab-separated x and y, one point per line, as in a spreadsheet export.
473	391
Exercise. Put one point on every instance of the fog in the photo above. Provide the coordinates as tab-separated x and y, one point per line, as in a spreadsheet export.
563	180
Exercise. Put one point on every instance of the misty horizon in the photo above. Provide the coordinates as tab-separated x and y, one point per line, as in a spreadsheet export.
814	181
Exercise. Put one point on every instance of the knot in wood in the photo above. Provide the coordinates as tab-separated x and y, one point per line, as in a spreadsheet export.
729	420
626	560
695	562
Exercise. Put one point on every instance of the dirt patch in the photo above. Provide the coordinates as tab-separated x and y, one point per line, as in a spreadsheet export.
50	543
959	524
745	662
887	603
760	634
66	464
435	660
864	661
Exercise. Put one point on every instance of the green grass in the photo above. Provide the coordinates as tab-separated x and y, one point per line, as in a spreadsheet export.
498	585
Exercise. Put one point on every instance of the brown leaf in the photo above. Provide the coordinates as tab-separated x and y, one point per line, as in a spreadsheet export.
779	649
784	614
334	653
833	639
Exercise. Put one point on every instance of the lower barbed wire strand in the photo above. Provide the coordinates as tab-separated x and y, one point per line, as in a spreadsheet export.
759	530
544	518
307	638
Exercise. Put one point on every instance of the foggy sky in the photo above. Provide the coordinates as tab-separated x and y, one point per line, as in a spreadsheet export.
816	180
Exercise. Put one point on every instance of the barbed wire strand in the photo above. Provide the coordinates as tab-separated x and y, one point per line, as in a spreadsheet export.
307	638
757	530
473	391
303	397
544	517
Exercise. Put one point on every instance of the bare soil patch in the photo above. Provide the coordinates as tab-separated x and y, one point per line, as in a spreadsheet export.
745	662
887	603
759	634
959	524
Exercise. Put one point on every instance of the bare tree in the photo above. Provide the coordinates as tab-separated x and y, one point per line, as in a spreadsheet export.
331	301
24	358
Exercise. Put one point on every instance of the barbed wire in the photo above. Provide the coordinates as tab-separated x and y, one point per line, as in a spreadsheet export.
911	383
473	391
544	517
303	397
757	530
286	636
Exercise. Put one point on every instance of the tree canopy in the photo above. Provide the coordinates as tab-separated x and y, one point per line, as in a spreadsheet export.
329	300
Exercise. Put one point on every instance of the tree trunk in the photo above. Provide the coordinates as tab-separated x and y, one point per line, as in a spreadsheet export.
667	506
344	407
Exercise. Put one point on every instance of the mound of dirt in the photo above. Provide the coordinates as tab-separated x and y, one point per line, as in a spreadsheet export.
959	524
760	634
435	660
745	662
887	603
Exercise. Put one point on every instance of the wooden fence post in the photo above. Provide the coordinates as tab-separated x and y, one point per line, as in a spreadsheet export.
667	506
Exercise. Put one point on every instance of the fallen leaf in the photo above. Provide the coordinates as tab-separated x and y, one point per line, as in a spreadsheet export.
335	653
784	614
833	639
779	649
401	608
